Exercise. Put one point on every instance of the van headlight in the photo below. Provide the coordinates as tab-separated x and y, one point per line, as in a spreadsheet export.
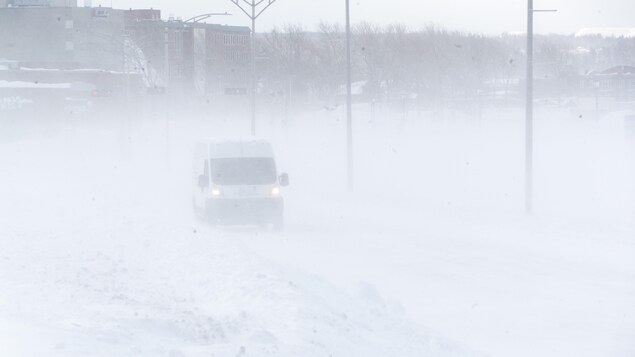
275	191
216	192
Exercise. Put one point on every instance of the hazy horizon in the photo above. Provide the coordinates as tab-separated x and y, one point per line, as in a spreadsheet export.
474	17
179	190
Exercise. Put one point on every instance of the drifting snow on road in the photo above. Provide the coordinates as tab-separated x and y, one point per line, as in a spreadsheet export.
105	258
431	256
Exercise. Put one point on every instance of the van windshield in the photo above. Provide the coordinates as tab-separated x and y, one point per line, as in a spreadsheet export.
243	171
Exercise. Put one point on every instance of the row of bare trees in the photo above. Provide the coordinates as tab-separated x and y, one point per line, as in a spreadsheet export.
392	62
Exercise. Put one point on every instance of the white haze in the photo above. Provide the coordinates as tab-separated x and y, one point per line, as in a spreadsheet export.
432	252
488	16
431	255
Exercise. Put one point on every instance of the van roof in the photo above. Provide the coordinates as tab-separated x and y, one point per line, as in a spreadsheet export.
235	148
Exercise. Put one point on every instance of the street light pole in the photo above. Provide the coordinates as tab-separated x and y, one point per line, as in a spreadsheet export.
529	107
252	11
253	71
529	110
168	91
349	104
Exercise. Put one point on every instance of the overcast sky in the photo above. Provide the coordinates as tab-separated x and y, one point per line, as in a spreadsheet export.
484	16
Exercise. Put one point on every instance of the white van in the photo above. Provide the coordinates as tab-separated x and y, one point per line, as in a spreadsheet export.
236	182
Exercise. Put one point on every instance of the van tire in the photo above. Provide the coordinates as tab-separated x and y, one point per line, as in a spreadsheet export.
278	223
211	218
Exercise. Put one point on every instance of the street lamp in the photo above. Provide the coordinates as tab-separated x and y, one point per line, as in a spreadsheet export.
529	108
199	18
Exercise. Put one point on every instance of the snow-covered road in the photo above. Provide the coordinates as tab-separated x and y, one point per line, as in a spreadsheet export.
430	256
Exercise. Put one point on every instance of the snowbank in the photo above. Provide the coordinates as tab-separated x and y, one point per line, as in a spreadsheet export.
101	261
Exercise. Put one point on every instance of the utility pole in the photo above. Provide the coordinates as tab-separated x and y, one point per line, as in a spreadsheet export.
168	92
529	106
250	8
349	104
529	111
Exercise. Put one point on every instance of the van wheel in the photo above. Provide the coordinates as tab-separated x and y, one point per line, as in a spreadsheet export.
211	218
198	213
278	223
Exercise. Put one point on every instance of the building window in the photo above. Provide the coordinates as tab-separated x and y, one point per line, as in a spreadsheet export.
101	13
235	40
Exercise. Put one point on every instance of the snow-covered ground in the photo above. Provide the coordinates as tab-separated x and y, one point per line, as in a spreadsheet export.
432	255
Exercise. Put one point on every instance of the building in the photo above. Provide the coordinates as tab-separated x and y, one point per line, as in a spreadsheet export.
63	37
221	56
198	58
184	57
38	3
616	82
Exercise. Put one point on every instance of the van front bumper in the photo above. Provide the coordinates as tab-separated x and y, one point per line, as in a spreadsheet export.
245	211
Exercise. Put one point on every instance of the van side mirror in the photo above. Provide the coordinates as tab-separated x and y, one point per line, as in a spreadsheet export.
203	181
284	180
